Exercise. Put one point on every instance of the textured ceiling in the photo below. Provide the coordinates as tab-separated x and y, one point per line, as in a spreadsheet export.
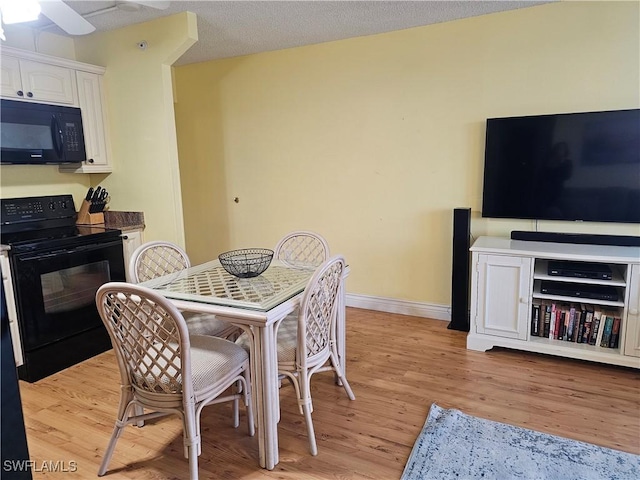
234	28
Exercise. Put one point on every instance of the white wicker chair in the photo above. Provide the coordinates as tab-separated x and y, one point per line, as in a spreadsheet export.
302	249
306	344
154	259
166	370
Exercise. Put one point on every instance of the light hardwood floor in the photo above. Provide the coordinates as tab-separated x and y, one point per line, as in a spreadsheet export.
397	366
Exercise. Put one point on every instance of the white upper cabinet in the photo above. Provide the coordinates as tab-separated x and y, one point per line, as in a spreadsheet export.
40	82
94	123
11	82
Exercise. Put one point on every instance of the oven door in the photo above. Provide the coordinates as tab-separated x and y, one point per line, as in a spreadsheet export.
55	291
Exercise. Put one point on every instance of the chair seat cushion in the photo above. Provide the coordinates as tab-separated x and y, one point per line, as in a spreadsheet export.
207	324
213	359
287	339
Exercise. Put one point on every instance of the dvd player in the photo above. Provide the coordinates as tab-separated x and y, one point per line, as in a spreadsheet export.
579	290
566	268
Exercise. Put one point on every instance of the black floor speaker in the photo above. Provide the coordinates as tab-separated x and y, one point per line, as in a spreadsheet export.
460	270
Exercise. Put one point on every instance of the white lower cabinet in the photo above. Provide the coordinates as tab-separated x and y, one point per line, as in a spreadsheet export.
632	339
518	301
503	295
131	239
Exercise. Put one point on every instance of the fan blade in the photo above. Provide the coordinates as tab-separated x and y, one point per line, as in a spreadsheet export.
65	17
160	5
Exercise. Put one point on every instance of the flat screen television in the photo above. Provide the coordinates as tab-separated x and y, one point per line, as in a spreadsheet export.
569	166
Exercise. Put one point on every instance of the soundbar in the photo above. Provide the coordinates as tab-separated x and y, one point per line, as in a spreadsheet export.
583	238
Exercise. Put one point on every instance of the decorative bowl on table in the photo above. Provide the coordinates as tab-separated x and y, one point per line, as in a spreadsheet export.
247	262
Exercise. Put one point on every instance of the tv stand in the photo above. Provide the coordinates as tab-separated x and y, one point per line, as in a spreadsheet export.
580	238
506	281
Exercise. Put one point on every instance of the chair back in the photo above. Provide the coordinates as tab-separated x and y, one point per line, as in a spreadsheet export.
154	259
149	337
302	249
316	321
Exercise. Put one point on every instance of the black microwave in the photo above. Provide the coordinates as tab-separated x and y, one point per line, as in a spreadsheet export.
40	134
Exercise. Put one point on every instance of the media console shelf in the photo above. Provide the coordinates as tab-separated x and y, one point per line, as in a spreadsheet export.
507	296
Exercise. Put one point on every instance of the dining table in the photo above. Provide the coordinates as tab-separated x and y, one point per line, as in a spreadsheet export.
257	305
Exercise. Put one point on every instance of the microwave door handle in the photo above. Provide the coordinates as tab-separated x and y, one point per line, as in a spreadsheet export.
57	136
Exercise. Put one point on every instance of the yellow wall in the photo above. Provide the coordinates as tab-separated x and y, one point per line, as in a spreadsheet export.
373	141
141	117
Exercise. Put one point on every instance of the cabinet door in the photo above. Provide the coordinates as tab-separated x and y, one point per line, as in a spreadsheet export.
131	240
632	337
11	81
93	121
47	83
503	296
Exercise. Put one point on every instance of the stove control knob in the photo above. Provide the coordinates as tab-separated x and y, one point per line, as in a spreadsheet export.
63	204
52	206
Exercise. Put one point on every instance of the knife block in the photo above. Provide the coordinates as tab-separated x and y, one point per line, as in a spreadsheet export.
86	218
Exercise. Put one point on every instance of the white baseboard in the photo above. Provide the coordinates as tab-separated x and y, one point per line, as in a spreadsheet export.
403	307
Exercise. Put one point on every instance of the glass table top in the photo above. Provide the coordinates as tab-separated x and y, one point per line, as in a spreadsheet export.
211	283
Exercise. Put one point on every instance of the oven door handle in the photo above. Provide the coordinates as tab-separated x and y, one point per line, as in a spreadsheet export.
71	251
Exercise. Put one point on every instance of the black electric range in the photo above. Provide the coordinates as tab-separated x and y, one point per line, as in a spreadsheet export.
56	268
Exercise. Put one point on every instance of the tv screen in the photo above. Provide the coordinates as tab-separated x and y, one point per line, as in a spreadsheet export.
573	166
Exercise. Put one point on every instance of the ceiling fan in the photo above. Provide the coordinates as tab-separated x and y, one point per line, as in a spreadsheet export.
73	23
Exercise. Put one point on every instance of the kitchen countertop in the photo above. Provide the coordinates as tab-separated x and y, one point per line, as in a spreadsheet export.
123	220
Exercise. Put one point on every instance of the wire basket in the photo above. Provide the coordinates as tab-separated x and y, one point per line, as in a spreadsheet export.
246	263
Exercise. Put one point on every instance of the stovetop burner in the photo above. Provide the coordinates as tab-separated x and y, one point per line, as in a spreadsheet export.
39	223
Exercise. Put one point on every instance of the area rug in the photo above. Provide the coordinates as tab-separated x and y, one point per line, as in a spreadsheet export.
455	445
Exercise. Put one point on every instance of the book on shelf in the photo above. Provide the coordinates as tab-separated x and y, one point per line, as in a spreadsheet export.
581	313
596	330
587	329
606	334
552	322
572	321
567	319
582	324
560	323
546	320
588	325
615	333
535	320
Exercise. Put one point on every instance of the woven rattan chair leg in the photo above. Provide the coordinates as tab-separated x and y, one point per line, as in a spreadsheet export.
193	463
248	401
123	414
138	410
313	447
191	429
236	413
117	431
343	380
